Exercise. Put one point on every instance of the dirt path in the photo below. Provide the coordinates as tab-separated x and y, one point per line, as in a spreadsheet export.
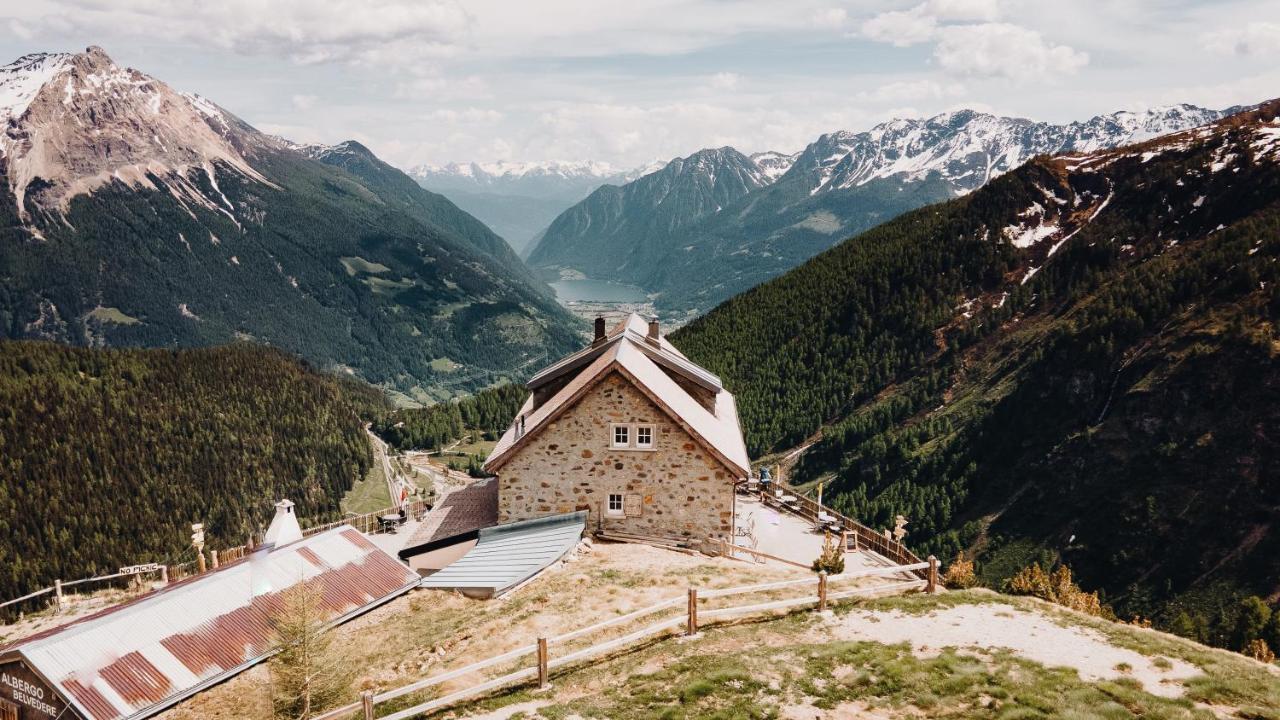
1033	636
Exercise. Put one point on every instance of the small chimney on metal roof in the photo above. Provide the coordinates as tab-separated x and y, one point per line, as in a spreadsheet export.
284	527
655	335
599	338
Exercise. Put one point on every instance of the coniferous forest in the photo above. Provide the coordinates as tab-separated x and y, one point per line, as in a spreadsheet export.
108	455
1110	404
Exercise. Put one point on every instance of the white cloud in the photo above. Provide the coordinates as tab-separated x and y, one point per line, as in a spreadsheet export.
1253	39
964	10
830	17
725	80
910	90
901	27
1002	50
372	32
466	116
303	102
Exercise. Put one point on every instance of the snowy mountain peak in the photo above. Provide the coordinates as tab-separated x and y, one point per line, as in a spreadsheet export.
76	122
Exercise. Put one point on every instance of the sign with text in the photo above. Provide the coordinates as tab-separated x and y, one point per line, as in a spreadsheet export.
34	699
136	569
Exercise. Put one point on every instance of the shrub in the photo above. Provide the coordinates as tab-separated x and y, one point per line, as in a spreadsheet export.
960	575
1056	587
1259	650
831	560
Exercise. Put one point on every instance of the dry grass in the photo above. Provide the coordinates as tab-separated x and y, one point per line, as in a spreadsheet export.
428	632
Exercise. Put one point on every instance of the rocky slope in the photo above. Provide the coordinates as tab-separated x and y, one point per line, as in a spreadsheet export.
1077	362
842	183
133	214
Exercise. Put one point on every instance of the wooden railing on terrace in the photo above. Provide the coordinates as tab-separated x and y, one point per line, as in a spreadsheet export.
856	535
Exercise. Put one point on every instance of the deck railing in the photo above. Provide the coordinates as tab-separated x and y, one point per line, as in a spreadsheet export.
856	535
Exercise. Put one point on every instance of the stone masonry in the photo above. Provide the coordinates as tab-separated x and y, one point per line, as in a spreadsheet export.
683	490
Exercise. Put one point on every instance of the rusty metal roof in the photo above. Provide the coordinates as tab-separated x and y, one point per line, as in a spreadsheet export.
133	660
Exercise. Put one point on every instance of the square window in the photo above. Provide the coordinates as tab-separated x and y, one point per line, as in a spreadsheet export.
621	436
644	436
615	503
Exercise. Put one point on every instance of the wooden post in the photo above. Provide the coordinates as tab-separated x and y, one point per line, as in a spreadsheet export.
57	589
200	561
366	704
164	574
844	542
213	554
931	585
542	663
692	627
822	591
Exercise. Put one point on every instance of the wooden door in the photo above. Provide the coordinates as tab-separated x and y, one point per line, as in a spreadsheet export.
8	711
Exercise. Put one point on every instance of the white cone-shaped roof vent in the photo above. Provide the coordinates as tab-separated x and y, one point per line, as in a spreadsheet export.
284	527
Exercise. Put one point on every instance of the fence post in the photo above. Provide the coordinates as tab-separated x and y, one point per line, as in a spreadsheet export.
822	591
542	663
164	574
213	554
200	561
366	704
931	585
692	626
57	589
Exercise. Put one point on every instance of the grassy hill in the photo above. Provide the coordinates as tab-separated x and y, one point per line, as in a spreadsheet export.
1076	363
108	456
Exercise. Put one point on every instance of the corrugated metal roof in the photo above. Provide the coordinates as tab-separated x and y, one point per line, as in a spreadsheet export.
133	660
460	513
507	555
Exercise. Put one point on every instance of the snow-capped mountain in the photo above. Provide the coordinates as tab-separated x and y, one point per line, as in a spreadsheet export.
968	148
134	214
795	206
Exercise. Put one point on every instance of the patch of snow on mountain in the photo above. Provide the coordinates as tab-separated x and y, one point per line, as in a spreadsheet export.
1024	237
21	79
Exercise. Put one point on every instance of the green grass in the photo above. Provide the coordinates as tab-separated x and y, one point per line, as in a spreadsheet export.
368	494
112	315
355	265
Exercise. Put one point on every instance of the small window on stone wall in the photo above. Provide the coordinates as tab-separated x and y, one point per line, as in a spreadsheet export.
622	436
644	437
615	504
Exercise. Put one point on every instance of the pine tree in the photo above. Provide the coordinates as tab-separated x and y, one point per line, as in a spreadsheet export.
310	673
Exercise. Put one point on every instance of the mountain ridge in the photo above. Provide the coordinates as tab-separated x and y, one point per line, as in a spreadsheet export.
842	183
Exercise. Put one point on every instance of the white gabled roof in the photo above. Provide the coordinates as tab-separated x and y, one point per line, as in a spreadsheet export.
626	351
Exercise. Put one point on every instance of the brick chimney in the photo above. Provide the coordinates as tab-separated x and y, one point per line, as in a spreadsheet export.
599	338
655	336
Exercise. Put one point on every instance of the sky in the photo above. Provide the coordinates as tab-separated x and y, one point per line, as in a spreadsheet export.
626	83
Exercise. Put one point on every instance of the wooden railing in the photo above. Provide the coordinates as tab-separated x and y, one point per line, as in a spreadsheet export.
367	523
856	535
903	579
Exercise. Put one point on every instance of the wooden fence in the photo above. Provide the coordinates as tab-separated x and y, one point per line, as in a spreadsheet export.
367	523
903	579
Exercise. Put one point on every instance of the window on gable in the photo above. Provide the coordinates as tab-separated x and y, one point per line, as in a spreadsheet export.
644	436
622	436
615	504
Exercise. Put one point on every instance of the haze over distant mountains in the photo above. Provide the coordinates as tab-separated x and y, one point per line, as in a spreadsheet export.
519	200
132	214
718	222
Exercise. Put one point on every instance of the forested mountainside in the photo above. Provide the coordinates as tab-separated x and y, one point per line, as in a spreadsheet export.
487	412
799	205
620	232
136	215
1076	363
108	455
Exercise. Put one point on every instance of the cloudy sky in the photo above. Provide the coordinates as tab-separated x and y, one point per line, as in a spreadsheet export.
628	82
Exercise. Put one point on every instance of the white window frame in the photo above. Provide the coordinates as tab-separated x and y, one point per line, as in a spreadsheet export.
622	504
613	435
653	432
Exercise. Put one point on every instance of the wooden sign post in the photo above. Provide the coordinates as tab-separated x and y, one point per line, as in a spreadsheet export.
692	626
543	669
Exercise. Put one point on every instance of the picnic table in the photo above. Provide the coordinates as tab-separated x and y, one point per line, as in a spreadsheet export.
389	522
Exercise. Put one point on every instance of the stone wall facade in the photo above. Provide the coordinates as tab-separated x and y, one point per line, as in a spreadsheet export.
682	490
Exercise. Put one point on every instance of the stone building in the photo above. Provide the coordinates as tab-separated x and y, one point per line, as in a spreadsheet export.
631	431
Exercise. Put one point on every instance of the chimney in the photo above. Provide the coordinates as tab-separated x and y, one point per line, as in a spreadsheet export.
655	336
284	527
599	338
